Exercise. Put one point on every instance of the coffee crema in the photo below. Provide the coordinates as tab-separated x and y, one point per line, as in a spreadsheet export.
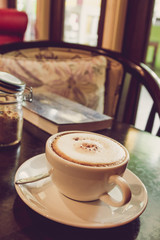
88	149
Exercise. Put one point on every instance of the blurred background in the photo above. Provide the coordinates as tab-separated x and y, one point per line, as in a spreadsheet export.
130	27
103	23
81	20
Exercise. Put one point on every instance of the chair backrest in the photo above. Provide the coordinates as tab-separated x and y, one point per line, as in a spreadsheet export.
13	24
123	79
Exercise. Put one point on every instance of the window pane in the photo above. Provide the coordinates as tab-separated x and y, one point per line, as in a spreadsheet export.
81	21
30	7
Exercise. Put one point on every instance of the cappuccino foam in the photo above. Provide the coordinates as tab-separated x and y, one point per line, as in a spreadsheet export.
88	149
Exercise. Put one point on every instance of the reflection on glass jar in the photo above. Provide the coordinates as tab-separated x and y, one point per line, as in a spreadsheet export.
12	94
11	118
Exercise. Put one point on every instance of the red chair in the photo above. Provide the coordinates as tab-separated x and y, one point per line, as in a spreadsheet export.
13	24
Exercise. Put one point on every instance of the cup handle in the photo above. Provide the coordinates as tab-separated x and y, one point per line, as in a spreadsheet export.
125	189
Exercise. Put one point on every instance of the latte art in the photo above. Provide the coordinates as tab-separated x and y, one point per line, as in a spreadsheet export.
88	149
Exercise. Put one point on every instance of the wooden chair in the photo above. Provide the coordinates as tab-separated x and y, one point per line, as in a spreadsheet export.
13	24
124	78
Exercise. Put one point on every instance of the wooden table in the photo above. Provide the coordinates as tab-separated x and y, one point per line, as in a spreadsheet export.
18	221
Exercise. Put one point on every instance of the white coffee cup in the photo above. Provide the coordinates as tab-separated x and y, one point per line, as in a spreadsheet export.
88	174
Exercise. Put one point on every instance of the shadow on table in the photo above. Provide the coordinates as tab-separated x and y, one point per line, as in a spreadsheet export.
34	226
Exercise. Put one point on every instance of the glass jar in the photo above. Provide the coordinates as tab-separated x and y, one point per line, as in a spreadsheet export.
12	94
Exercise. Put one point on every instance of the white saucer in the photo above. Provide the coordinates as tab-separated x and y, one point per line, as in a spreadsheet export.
44	198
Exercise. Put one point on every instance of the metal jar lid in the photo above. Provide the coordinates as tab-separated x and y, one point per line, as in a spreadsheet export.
10	83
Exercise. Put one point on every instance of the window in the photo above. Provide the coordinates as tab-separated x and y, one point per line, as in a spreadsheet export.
30	7
81	18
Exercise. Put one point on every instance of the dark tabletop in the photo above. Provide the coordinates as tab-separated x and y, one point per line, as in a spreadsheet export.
18	221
